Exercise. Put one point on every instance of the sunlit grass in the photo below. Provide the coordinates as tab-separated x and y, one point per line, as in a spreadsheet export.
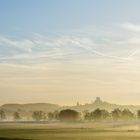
67	131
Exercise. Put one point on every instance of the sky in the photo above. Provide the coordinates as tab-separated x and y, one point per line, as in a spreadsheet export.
67	51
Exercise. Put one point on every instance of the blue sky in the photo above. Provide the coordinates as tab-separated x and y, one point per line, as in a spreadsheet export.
30	24
46	16
58	50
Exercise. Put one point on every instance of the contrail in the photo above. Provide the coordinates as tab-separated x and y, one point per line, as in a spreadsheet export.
103	54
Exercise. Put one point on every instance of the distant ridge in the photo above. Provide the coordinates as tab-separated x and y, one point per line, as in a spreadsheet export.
30	107
98	103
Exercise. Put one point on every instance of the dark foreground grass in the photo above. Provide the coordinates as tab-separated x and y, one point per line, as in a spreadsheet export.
66	132
11	139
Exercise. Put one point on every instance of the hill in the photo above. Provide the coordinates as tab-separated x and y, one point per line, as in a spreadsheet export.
98	103
47	107
30	107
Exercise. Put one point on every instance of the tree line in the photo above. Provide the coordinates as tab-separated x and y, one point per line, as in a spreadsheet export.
73	115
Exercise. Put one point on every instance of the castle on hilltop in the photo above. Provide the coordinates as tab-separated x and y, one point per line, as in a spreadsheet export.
98	99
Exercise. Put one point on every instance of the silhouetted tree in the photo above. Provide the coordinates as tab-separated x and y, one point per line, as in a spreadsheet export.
53	115
116	114
39	115
50	115
56	114
87	115
2	115
16	116
96	114
99	114
127	114
68	115
105	114
138	114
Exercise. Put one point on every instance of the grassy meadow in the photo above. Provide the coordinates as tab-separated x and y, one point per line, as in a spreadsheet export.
70	131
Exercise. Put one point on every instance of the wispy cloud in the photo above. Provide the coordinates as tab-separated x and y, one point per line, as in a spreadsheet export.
53	47
131	27
25	45
42	49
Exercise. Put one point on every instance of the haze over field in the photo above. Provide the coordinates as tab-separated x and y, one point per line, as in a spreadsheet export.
68	51
49	107
69	69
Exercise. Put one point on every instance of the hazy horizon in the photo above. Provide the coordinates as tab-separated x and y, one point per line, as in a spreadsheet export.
67	51
65	104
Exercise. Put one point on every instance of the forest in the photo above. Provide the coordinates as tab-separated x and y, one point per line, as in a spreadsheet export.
72	115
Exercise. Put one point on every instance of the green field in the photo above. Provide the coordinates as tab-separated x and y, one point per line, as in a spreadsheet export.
70	131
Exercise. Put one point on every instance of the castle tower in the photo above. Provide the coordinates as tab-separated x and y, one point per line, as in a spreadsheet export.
98	99
77	104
